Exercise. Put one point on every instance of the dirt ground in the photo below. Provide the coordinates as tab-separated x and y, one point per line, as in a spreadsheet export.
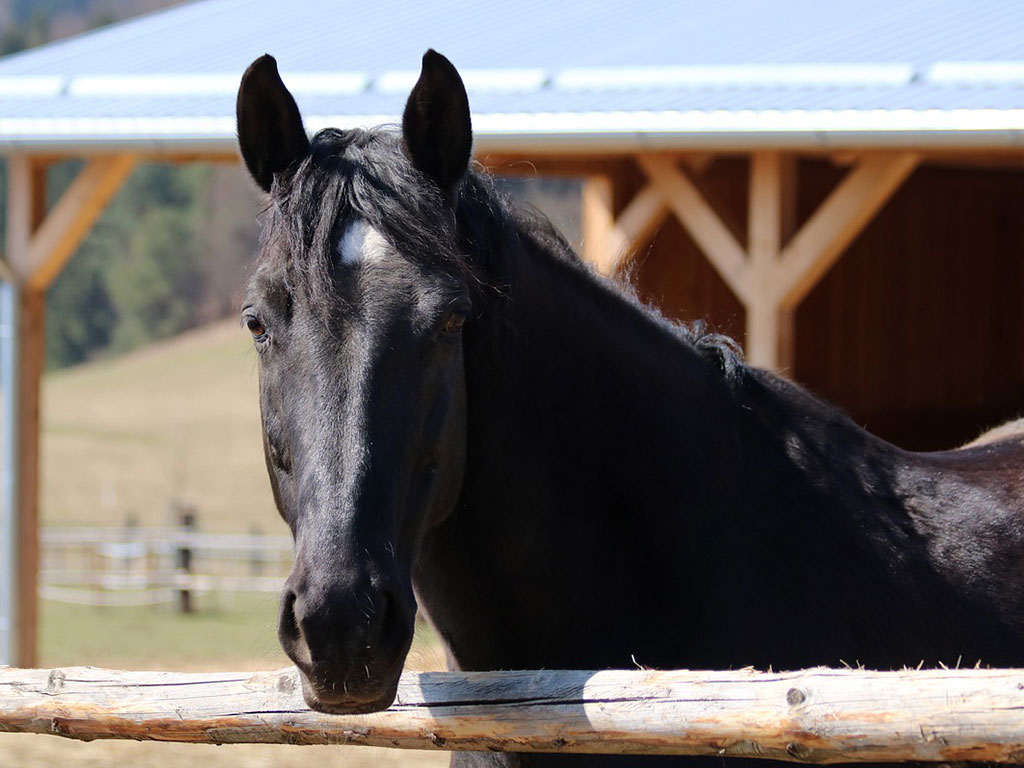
35	751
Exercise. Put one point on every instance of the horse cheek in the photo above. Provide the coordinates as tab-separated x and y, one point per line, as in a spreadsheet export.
452	450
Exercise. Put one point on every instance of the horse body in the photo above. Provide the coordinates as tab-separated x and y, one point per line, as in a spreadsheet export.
804	540
454	403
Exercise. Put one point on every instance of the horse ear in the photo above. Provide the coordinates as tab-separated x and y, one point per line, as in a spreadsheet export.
436	127
270	132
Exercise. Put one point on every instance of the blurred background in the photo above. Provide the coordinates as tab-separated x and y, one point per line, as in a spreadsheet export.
837	185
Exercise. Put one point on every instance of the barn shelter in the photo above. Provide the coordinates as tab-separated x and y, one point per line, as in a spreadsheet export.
837	184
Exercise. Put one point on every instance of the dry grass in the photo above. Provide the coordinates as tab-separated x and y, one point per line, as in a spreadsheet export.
179	420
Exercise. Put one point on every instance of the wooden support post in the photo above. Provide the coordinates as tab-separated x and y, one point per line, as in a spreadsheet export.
770	328
770	334
598	218
26	198
32	354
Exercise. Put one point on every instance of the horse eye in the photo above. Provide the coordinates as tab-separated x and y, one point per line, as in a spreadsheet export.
455	322
259	333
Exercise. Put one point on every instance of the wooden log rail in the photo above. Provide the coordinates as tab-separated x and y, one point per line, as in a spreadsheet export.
818	715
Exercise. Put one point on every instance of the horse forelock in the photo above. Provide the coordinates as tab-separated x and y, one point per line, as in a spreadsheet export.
354	175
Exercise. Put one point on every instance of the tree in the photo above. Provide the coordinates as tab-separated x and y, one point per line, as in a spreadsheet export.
136	277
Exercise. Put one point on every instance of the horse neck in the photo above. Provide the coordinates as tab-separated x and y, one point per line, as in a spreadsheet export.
572	373
611	463
823	445
569	373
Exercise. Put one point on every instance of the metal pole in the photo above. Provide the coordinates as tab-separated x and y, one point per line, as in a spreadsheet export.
9	523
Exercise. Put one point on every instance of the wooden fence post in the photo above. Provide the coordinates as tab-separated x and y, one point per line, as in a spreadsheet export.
187	521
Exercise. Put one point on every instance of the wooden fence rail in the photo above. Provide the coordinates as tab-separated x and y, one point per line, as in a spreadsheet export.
818	715
148	566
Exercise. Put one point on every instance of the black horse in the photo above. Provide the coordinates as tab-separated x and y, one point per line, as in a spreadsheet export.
459	414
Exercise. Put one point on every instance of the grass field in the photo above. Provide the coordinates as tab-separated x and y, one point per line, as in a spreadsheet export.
241	636
176	421
123	438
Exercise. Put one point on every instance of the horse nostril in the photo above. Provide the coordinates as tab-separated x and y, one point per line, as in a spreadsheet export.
288	624
288	631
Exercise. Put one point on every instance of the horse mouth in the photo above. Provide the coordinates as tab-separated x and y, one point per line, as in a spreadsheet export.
346	702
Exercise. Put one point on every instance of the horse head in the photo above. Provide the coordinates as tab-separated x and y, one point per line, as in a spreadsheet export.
356	308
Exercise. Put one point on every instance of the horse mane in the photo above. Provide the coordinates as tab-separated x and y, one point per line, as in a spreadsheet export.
489	214
491	224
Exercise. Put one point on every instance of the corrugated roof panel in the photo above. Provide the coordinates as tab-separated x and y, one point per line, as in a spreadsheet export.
704	58
221	35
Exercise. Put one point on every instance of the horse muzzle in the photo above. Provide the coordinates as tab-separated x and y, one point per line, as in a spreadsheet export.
348	695
348	641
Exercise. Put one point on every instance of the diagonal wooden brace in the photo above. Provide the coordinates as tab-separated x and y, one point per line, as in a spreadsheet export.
609	241
62	230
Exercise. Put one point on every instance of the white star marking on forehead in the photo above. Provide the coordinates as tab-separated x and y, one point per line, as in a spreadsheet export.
362	244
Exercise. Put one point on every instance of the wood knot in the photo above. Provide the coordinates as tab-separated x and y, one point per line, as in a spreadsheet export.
286	683
437	739
55	681
795	696
798	750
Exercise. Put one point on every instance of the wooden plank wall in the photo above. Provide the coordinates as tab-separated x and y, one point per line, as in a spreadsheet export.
919	329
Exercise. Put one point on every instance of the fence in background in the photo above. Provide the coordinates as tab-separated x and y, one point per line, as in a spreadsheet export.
133	566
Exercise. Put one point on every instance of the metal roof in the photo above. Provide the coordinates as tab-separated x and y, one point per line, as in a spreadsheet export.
578	75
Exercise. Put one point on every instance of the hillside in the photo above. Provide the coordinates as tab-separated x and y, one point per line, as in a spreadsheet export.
25	23
178	420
